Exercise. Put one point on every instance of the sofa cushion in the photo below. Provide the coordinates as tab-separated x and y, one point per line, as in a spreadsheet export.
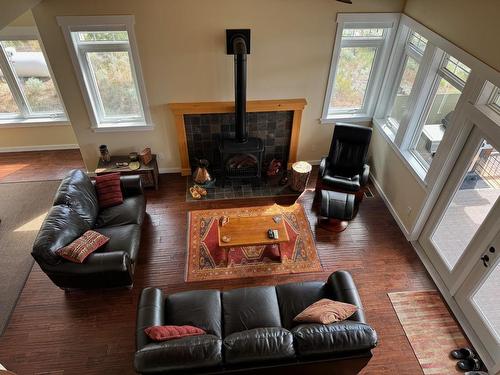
78	250
125	238
109	191
61	226
248	308
182	354
131	211
259	345
294	298
199	308
320	339
78	192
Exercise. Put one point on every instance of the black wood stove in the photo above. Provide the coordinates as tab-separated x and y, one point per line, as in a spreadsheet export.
241	157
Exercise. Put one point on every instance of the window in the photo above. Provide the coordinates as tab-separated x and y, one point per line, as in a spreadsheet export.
413	53
423	85
495	100
361	48
27	89
443	98
107	64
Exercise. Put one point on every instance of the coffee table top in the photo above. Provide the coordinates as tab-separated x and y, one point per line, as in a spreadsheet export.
248	231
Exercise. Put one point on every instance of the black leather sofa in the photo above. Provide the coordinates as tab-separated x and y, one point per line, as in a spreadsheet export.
251	330
76	210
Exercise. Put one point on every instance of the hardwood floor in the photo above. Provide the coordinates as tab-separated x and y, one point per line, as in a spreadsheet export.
38	165
92	332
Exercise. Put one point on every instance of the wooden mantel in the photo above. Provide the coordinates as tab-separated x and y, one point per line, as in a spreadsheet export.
181	109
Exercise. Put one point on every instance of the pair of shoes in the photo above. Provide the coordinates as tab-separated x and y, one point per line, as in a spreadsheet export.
468	360
197	192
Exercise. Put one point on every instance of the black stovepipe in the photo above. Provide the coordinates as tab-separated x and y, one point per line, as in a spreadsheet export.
240	88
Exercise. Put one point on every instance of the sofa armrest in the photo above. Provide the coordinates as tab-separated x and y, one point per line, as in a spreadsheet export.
150	312
365	174
322	166
114	261
131	185
344	290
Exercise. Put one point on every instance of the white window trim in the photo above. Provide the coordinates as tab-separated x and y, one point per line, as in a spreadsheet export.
387	21
24	118
99	23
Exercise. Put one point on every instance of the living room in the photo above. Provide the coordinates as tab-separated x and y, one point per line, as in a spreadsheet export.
302	156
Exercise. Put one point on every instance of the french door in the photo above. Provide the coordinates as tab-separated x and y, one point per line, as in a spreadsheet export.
462	235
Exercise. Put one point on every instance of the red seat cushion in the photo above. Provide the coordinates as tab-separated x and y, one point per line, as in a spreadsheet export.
83	246
109	191
163	333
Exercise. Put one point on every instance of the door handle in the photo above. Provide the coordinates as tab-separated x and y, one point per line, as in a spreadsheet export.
485	259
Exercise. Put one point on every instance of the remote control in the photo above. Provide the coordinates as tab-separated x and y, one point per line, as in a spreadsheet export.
275	234
270	234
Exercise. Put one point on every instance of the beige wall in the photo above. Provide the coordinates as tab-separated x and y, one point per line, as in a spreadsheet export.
16	137
471	25
182	50
401	188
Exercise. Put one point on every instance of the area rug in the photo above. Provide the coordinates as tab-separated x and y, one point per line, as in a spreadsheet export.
23	206
207	261
430	328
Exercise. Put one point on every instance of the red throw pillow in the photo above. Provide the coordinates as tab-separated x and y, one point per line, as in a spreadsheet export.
164	333
83	246
109	191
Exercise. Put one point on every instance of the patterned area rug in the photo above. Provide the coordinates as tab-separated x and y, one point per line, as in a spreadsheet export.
207	261
430	328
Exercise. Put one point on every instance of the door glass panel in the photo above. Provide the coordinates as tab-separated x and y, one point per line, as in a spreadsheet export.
487	301
470	205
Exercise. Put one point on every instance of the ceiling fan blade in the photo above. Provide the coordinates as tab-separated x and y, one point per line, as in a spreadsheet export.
345	1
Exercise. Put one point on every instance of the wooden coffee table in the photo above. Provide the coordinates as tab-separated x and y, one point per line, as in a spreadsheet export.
252	231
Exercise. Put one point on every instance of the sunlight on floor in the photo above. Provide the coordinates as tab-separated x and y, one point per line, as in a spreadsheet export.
32	225
8	169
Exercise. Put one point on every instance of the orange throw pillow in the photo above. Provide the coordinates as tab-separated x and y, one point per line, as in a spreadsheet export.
326	311
83	246
164	333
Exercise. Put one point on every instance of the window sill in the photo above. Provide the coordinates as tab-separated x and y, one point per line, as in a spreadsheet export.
359	117
406	157
104	128
33	122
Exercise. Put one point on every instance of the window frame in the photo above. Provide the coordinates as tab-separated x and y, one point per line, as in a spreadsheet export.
25	117
387	21
437	49
86	80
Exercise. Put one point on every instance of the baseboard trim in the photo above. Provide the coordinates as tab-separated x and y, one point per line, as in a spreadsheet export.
68	146
169	170
391	208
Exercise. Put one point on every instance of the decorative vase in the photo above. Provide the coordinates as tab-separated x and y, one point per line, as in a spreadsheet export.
201	175
105	155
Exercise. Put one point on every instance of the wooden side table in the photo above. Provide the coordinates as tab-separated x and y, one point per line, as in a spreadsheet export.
148	172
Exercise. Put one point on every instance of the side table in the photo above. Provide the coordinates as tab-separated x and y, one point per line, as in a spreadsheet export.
148	172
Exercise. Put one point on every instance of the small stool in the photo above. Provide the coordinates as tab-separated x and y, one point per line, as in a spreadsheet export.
338	208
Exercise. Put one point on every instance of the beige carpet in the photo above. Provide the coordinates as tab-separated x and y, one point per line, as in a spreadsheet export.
23	207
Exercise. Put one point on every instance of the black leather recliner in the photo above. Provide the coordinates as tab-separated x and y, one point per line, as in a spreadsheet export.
76	210
345	167
252	330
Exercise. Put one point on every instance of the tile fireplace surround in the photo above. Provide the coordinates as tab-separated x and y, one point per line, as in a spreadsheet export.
276	122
